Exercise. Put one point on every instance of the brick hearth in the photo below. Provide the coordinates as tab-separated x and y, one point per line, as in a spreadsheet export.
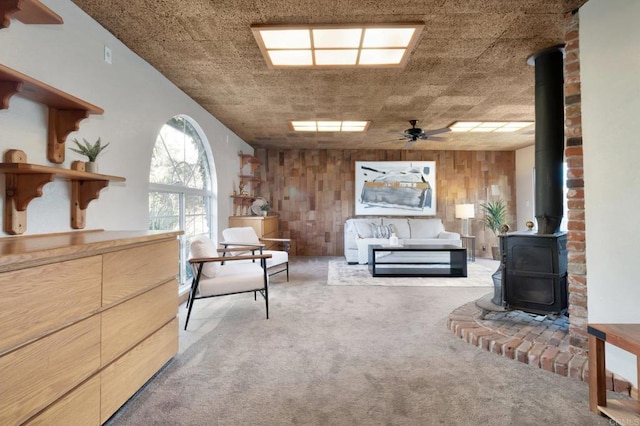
538	340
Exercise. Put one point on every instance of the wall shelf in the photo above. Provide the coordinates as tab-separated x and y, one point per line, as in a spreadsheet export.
27	12
25	181
248	183
65	111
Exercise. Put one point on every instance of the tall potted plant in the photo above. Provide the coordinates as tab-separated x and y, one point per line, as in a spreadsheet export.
495	216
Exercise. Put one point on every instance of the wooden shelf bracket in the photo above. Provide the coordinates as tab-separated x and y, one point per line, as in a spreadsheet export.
27	12
82	193
20	189
61	123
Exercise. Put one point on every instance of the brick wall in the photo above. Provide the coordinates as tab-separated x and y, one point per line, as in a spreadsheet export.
577	271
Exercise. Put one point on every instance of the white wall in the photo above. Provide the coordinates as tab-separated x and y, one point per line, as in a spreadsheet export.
525	162
137	101
610	66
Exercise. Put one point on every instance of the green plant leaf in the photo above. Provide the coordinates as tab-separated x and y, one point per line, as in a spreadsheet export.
89	150
495	215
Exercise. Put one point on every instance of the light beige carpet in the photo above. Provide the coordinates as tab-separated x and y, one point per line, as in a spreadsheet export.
346	355
341	273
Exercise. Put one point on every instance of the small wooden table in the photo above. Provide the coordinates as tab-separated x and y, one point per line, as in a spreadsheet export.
626	337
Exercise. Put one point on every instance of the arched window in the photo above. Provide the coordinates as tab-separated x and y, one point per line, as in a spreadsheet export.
180	185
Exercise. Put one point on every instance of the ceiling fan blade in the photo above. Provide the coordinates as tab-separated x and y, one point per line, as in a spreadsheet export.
437	131
389	140
437	139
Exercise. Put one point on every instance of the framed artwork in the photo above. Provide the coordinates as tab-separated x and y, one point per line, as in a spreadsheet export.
395	188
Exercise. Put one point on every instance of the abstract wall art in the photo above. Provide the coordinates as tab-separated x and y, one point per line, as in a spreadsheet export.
395	188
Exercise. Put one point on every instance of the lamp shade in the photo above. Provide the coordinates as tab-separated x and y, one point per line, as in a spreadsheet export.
465	211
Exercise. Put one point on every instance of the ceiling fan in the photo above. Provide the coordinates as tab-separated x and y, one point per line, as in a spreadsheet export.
415	133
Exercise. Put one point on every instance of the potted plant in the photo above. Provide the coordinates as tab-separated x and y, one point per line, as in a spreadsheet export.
495	217
91	151
265	209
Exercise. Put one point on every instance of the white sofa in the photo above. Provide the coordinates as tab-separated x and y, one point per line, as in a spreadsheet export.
360	232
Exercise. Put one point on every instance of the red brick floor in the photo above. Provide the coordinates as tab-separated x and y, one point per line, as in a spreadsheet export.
538	340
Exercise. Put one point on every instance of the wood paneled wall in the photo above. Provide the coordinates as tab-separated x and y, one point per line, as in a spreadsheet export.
313	190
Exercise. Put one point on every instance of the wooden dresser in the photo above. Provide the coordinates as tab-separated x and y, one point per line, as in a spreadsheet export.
86	318
265	226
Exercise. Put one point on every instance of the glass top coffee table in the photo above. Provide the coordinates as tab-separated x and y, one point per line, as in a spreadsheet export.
413	260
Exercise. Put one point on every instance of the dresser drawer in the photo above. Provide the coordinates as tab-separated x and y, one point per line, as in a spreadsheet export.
270	226
130	271
80	407
37	300
128	373
36	375
128	323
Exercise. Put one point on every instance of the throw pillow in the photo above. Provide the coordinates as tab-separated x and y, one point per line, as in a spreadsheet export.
363	228
400	226
381	231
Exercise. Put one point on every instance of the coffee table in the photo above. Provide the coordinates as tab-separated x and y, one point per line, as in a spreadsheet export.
415	260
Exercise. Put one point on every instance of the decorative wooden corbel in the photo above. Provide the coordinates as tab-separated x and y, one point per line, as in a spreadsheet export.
20	189
61	123
7	90
82	193
27	12
7	8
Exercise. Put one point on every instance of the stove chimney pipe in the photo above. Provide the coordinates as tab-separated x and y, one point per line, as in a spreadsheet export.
549	137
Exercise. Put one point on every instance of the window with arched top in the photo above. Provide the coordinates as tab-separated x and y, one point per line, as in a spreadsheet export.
180	185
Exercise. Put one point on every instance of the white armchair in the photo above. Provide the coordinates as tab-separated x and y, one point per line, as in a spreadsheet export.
239	237
215	275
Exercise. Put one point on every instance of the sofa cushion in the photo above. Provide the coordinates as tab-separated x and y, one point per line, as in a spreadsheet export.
400	226
204	247
426	228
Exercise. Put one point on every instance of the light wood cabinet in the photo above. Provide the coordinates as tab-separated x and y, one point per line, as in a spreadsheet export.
265	226
86	318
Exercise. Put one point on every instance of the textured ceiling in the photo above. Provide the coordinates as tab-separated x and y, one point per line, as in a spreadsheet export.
469	64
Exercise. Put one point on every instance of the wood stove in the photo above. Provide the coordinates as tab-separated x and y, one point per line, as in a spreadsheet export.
534	265
535	272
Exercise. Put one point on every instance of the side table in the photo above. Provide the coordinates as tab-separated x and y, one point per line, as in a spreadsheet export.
626	337
469	242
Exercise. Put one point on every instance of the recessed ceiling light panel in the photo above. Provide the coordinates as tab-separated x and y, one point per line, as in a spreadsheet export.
329	126
337	46
489	126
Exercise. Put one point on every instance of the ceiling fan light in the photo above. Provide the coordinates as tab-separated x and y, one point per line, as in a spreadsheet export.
336	57
337	38
286	39
291	57
387	37
381	56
